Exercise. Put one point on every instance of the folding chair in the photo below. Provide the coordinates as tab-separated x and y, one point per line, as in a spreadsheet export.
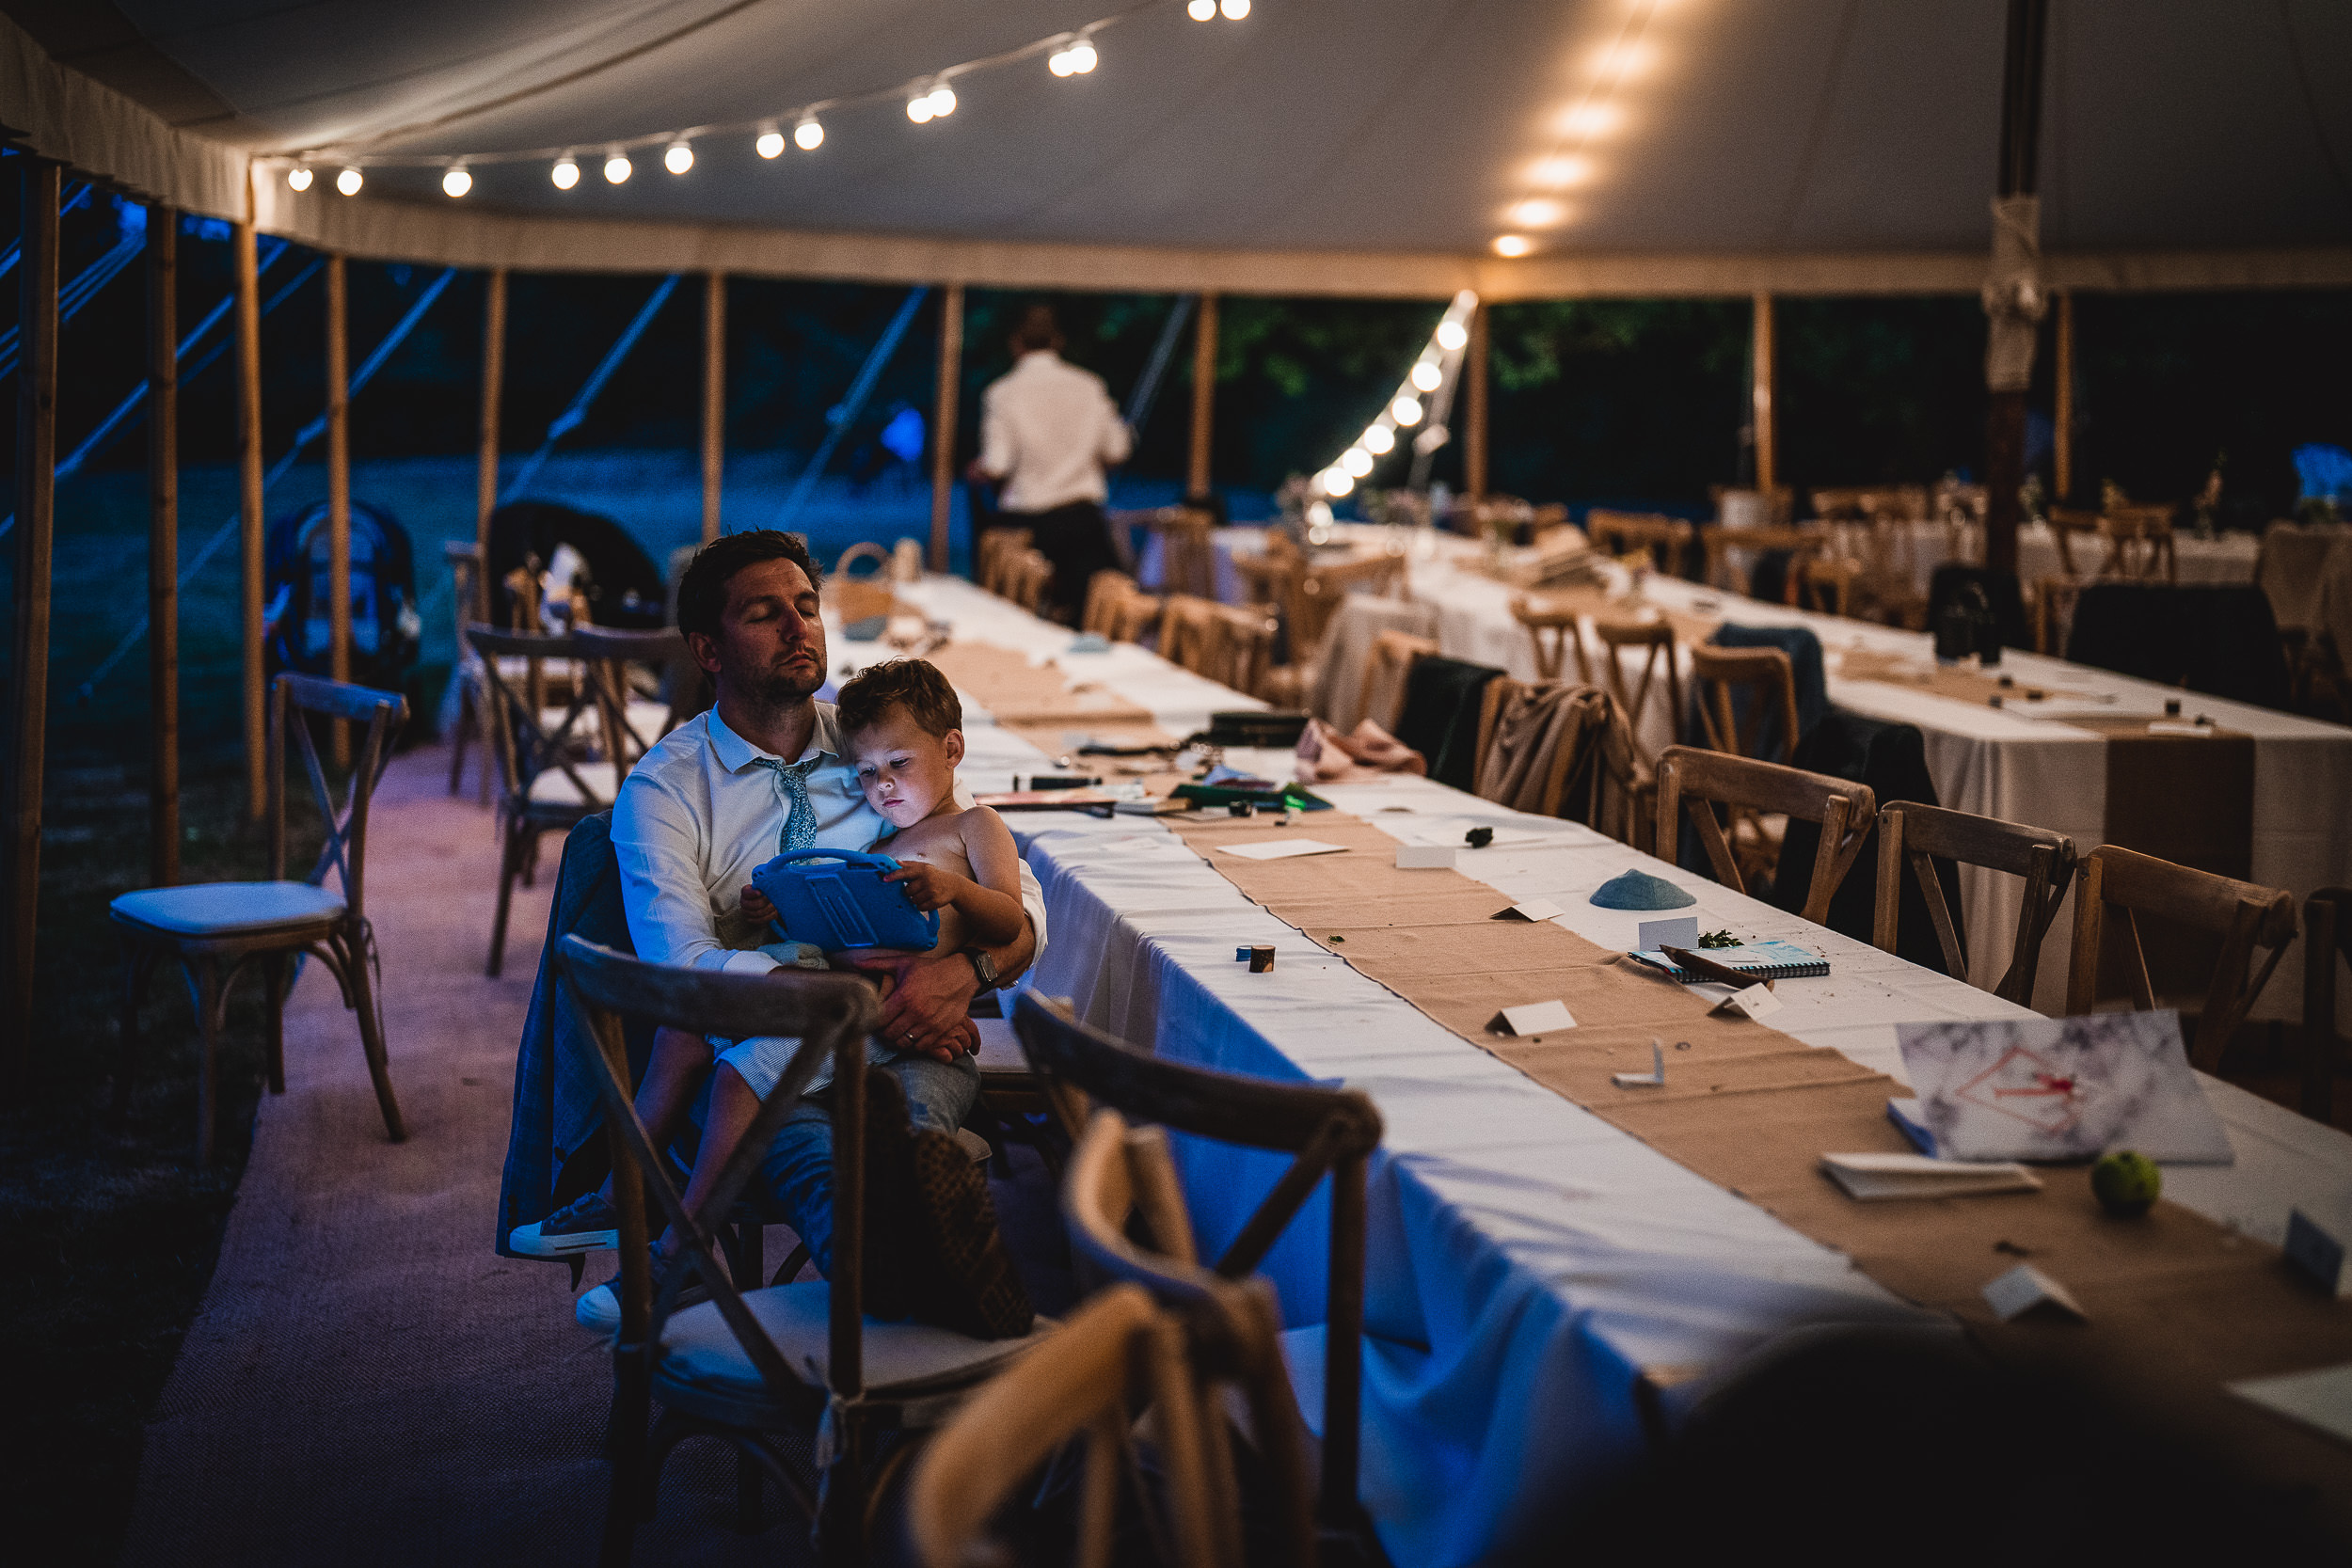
1921	833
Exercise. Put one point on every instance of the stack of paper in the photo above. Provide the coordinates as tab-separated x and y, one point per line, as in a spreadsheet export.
1874	1177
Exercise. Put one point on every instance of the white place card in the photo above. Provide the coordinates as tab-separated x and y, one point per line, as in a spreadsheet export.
2026	1289
1281	849
1427	857
1654	1079
1534	909
1651	935
1756	1002
1537	1018
2322	1397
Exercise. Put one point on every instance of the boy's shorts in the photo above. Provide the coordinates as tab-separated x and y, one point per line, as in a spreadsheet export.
761	1061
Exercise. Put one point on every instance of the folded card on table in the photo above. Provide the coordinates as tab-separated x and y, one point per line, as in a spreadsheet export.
2061	1089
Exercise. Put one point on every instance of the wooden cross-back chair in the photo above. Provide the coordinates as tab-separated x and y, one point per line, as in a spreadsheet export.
1660	668
2327	938
1698	781
1566	747
2122	885
547	785
2140	545
1027	576
1824	582
215	928
1716	674
1134	616
1387	665
1187	630
630	720
1623	534
2066	522
1330	1132
1187	550
1798	542
789	1357
994	558
1554	629
1268	576
469	600
1320	587
1106	590
1921	834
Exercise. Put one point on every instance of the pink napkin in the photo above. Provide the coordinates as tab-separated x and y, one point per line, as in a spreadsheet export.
1327	757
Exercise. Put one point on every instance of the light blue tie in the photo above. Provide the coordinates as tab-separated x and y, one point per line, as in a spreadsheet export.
800	820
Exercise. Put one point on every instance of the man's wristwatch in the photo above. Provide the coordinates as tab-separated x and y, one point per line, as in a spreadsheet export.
984	965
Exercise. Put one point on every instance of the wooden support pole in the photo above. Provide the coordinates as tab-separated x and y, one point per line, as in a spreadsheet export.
486	468
36	519
163	544
944	416
2062	436
1760	395
250	521
714	398
1204	394
338	496
2005	391
1475	423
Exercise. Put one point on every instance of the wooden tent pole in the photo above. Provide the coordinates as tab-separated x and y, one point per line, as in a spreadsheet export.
250	521
1204	394
2006	390
2062	453
338	495
1474	381
1760	395
36	517
486	465
944	417
714	398
163	544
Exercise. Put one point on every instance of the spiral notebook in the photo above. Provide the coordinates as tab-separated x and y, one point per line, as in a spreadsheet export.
1765	961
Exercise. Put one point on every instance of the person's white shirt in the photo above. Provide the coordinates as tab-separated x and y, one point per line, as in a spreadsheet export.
1047	429
697	815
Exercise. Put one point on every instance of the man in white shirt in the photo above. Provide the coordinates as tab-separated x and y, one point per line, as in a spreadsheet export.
1047	431
762	771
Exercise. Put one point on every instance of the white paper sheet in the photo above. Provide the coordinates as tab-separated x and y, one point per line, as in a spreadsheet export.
1281	849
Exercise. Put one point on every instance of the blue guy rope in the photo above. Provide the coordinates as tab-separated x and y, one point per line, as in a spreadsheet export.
80	291
309	434
844	414
1146	391
75	196
569	421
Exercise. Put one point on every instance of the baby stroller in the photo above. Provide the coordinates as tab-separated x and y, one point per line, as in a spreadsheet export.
386	628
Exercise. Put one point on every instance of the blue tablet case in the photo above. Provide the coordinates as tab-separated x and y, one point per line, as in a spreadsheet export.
841	901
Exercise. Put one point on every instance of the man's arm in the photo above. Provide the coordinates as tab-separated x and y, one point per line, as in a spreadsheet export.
659	848
997	444
927	1008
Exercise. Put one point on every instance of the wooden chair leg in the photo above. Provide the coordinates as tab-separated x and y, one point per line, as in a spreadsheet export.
510	838
625	1448
273	1005
457	741
208	1067
371	1034
747	1500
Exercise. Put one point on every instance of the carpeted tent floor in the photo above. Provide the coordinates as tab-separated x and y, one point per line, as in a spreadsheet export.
366	1381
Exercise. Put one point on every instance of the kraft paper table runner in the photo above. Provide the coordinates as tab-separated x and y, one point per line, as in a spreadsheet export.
1018	693
1753	1110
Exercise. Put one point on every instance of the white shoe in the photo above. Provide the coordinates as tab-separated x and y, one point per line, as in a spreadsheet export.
583	1224
599	1309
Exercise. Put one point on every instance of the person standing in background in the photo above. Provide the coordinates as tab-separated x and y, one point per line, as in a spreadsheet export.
1047	431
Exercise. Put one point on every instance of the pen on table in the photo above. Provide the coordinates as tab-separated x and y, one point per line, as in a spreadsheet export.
1700	964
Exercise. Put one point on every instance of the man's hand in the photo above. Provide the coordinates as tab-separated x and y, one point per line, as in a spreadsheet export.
926	1008
757	907
929	887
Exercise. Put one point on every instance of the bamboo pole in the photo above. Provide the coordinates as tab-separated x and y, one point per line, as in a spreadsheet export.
944	419
486	469
1204	394
1767	453
338	495
163	544
2062	453
36	517
714	398
1474	436
249	522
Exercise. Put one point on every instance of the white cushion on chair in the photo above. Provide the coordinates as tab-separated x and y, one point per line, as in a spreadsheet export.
554	787
699	1352
218	909
1000	1048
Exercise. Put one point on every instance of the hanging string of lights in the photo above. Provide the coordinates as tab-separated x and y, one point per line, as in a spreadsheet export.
928	98
1441	360
1595	113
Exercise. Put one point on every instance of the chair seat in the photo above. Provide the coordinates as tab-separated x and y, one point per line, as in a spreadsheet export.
1000	1048
227	908
704	1368
555	787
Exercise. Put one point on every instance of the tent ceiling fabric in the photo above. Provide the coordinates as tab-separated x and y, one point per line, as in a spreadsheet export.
1385	138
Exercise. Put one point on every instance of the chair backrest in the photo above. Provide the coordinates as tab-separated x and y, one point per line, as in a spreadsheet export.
293	698
1534	742
468	591
997	548
1317	588
1922	834
2139	543
607	651
1114	1352
1329	1131
1133	617
2123	884
1188	556
2066	522
1267	576
1553	626
1623	532
1844	810
1027	575
1106	590
1824	582
1189	631
1766	677
1242	648
1656	639
1388	667
526	746
2292	562
832	1014
1796	542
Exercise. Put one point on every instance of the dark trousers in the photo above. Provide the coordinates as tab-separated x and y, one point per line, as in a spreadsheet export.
1076	538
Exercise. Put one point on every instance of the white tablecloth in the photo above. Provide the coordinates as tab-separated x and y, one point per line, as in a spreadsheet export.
1526	1258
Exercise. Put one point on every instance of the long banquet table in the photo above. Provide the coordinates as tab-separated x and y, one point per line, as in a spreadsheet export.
1527	1258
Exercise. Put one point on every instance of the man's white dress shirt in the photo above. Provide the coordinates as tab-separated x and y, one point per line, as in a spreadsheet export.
1047	428
698	815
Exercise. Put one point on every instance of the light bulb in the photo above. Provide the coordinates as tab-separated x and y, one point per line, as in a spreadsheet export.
1336	481
349	180
1451	334
1426	376
1357	461
1536	212
1513	244
1406	410
1201	10
617	169
1234	10
456	182
943	100
1560	170
678	159
808	135
1058	62
565	174
1082	58
769	144
298	177
1380	440
919	108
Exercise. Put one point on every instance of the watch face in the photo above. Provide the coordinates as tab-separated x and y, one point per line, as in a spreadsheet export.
985	967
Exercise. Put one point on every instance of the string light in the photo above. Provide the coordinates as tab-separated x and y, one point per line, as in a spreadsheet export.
1425	376
1336	481
679	158
919	108
1537	212
298	177
1627	57
565	174
1201	10
1513	245
1378	440
1076	60
769	144
1235	9
617	168
808	135
349	181
1357	461
943	100
1406	410
456	182
1437	363
1451	334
